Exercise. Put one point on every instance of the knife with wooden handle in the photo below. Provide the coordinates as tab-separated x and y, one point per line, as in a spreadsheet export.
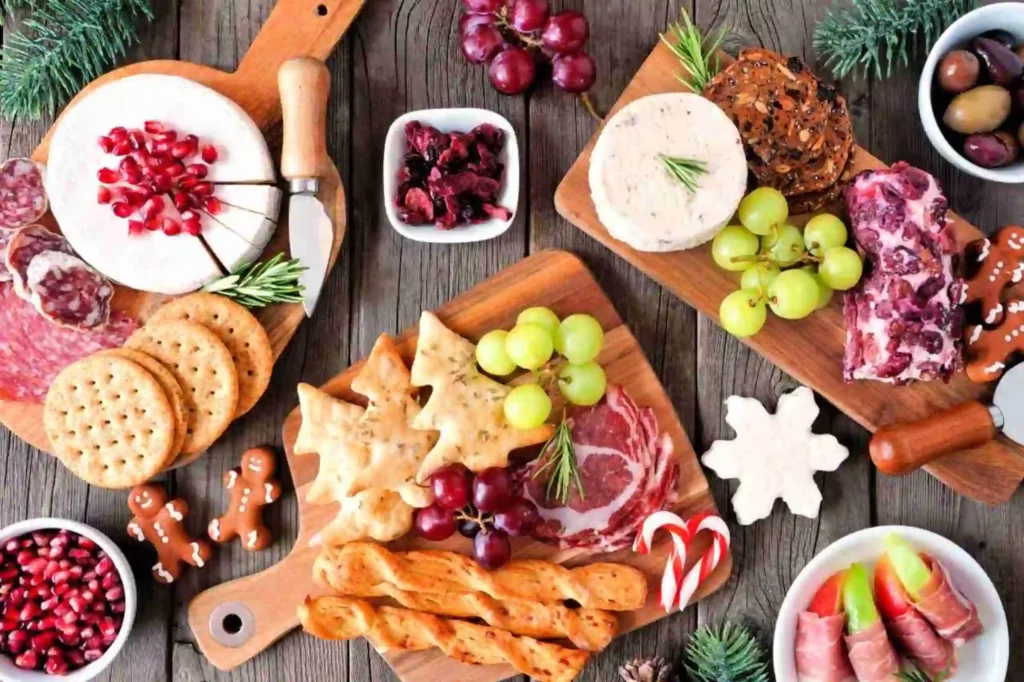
304	84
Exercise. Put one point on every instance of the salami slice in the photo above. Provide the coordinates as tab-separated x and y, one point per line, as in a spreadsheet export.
67	291
5	239
24	245
22	195
33	350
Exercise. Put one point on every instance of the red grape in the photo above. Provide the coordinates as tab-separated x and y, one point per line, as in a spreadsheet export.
481	43
480	6
512	71
529	15
566	31
492	489
470	21
435	523
574	72
451	487
518	518
492	549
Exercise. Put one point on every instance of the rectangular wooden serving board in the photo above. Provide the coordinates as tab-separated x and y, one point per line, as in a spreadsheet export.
810	349
555	279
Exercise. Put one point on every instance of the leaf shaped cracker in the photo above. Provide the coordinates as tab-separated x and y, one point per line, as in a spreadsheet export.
465	406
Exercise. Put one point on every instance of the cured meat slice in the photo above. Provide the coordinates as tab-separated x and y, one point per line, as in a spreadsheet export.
33	350
915	636
952	614
5	239
820	653
67	291
26	244
22	195
627	471
872	656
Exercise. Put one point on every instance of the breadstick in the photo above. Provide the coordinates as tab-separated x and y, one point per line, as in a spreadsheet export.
394	629
361	565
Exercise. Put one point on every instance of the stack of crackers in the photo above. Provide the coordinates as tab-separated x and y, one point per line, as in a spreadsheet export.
119	417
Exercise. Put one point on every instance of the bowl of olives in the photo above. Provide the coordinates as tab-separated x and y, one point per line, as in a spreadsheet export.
971	93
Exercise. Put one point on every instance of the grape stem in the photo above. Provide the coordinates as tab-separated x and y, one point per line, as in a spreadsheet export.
480	518
589	105
501	19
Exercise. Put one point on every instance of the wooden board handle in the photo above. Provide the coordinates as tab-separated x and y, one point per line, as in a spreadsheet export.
259	608
902	448
304	84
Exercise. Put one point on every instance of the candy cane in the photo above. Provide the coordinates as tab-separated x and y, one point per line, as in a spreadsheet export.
677	589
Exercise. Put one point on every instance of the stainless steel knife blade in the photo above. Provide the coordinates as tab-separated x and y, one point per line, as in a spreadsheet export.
1009	402
310	234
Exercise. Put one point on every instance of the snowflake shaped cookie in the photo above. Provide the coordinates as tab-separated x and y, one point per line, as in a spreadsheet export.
774	455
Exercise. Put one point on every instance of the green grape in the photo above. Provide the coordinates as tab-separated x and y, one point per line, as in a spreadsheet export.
840	268
735	241
824	292
545	317
529	345
579	338
822	232
527	406
743	312
582	384
759	276
793	294
784	245
491	354
763	209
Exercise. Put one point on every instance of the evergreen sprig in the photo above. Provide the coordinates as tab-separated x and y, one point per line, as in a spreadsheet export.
728	654
872	36
66	44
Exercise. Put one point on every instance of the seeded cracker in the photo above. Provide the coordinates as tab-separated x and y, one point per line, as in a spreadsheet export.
109	422
465	406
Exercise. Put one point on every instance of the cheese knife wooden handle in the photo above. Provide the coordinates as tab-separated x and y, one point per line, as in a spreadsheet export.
901	448
304	83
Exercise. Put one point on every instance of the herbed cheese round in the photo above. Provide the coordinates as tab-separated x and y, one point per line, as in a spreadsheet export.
639	201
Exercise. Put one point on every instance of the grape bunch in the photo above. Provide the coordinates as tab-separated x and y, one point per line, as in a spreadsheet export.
529	345
513	36
483	508
764	245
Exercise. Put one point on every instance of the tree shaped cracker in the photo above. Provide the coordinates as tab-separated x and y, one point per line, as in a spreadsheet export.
465	406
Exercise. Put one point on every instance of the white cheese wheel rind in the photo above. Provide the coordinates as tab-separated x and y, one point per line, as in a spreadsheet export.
252	227
638	201
260	199
229	248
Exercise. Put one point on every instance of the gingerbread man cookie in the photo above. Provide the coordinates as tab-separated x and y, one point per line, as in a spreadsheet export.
252	487
989	349
1002	264
159	523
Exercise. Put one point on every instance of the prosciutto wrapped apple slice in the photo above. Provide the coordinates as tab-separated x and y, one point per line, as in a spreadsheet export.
820	652
871	653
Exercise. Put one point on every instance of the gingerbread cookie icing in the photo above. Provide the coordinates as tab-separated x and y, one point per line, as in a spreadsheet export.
159	522
1001	265
252	487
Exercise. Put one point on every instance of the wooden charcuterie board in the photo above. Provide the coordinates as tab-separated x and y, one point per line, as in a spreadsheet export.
810	349
555	279
294	28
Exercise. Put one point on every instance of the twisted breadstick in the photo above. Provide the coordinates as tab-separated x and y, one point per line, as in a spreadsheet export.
362	565
393	629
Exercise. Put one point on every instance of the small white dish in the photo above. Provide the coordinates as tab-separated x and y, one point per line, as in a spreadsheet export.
983	659
449	120
1005	15
10	672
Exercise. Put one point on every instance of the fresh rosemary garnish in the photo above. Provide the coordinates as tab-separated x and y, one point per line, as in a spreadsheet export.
256	285
686	171
562	467
698	56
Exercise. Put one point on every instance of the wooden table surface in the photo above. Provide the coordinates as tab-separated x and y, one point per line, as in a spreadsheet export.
403	55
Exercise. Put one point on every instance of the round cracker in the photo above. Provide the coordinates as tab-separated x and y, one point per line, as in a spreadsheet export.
239	330
203	367
173	391
109	421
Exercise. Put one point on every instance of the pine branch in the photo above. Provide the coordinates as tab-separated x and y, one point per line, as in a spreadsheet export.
729	654
9	6
69	43
872	36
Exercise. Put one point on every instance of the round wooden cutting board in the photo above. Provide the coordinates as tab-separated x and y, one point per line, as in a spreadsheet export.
295	28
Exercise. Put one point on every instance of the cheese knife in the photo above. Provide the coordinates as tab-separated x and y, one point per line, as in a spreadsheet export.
304	84
902	448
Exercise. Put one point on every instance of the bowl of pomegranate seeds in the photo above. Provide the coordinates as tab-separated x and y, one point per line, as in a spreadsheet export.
67	601
451	175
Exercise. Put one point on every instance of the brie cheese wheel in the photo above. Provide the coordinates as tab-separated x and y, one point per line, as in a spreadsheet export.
151	261
228	247
262	199
254	228
638	201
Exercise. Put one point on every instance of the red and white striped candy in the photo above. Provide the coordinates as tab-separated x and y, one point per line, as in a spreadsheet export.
676	589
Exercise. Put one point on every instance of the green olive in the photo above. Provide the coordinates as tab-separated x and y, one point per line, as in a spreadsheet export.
979	110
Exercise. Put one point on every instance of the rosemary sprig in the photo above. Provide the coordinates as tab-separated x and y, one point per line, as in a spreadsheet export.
561	465
698	56
256	285
686	171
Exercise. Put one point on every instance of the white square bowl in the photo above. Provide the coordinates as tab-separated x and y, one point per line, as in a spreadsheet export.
447	121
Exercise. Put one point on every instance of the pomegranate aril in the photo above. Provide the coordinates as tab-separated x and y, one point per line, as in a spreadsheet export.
188	182
123	147
43	641
29	611
76	572
136	227
118	607
68	618
150	209
209	153
199	170
45	623
135	199
75	657
138	138
108	627
110	580
181	150
85	542
69	636
17	641
93	654
12	546
121	209
153	225
77	604
166	136
94	642
39	591
79	553
56	665
154	127
27	661
108	175
114	593
203	189
24	557
51	567
174	168
189	226
36	566
163	182
106	144
57	552
182	203
105	566
158	147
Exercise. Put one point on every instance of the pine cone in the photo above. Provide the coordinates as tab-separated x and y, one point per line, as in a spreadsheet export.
646	670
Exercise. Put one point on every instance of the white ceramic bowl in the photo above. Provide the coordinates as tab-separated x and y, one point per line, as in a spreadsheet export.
981	660
449	120
10	672
1005	15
